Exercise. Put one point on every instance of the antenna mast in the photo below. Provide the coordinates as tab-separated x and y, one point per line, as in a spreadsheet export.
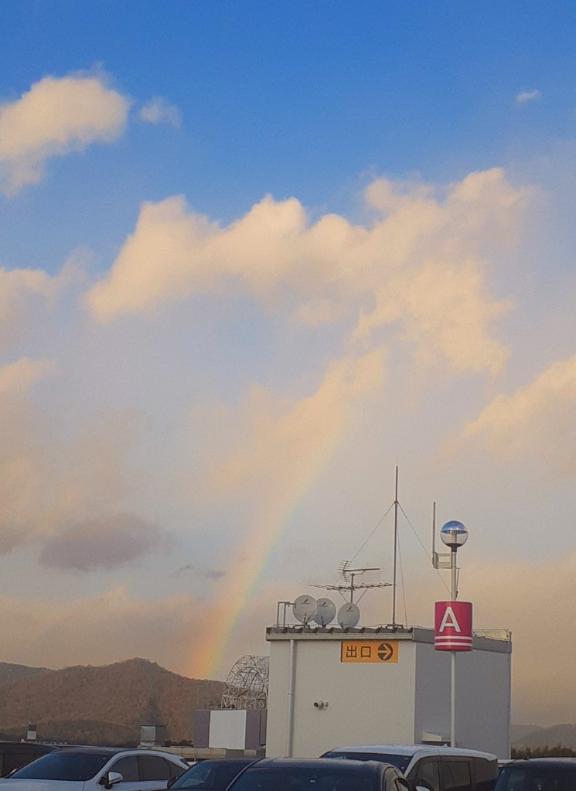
348	588
395	573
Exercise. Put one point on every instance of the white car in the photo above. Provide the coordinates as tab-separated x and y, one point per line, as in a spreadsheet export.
428	767
97	768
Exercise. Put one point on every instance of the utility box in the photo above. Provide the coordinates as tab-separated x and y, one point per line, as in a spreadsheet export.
332	687
230	729
152	735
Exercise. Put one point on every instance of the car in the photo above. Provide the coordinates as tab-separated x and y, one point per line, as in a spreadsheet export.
15	755
211	774
95	768
317	774
538	774
431	768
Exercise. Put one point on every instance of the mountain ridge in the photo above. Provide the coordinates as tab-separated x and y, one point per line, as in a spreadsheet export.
563	735
102	703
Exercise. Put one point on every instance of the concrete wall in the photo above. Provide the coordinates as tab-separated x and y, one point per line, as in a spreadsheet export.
386	703
366	702
228	729
482	697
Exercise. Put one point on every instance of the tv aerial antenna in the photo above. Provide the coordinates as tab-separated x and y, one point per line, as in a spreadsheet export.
349	613
348	588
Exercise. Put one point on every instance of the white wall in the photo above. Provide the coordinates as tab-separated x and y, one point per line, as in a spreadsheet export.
482	698
385	703
366	702
228	729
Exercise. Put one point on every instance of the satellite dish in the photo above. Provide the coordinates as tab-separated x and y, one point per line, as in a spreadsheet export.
304	608
348	615
325	612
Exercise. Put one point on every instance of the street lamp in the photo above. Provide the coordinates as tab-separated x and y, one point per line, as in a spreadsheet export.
454	535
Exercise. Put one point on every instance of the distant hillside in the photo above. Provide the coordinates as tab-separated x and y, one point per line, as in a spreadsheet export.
520	732
9	672
82	732
564	735
104	704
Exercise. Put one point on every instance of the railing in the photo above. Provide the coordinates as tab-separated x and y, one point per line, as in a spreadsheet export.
494	634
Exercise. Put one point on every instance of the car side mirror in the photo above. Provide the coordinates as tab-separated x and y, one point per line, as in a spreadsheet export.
112	779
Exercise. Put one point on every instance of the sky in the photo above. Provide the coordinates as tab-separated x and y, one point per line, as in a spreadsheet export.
253	256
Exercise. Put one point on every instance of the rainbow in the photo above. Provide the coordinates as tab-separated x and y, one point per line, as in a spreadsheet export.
238	587
310	433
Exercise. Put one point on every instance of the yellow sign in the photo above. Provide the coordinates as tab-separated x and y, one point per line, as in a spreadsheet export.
377	652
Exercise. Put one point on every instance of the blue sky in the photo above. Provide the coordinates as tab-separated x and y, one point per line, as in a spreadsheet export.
204	390
303	99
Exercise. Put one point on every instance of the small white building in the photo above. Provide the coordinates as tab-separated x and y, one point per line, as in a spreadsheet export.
331	686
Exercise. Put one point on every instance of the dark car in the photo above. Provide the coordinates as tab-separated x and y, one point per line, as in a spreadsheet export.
15	755
211	775
319	774
538	774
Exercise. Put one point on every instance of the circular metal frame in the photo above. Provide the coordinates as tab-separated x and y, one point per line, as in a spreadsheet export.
247	683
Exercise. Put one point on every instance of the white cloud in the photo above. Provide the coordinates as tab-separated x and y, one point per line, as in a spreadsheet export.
17	378
26	295
430	251
54	117
445	309
524	97
160	111
536	421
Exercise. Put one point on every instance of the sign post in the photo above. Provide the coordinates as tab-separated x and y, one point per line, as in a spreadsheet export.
453	619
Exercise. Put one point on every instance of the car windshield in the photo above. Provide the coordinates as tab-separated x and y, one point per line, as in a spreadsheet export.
285	778
63	765
210	774
532	778
400	761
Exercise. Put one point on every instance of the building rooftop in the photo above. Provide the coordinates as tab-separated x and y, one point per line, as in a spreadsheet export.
497	640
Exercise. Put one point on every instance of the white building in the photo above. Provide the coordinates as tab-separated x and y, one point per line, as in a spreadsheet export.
331	686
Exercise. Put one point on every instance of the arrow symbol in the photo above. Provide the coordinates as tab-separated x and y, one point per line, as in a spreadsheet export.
385	652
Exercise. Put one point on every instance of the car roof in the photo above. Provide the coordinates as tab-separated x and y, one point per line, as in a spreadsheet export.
541	762
232	760
412	750
96	750
316	763
111	751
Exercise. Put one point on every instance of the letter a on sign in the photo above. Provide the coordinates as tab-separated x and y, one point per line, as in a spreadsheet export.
449	619
453	626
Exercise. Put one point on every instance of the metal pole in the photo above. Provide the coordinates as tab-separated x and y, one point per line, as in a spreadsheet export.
434	533
395	550
454	595
291	684
453	699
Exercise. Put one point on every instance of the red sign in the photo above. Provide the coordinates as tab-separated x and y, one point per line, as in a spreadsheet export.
453	626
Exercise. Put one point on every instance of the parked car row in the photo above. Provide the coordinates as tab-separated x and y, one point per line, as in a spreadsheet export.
386	767
94	768
293	774
368	768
